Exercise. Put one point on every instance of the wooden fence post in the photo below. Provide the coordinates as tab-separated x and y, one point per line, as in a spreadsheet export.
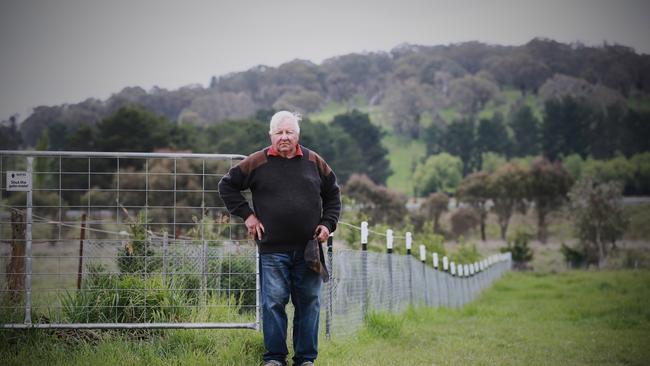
82	238
16	266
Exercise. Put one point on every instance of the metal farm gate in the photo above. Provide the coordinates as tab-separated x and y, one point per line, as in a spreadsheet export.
122	240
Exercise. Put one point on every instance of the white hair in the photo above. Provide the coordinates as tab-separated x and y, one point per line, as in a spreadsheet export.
284	115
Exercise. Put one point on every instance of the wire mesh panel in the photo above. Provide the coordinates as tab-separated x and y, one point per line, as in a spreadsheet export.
122	240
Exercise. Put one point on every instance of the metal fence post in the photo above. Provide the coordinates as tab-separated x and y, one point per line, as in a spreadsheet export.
466	283
461	287
445	273
423	259
258	291
330	294
435	279
470	282
28	245
389	250
364	269
409	239
452	271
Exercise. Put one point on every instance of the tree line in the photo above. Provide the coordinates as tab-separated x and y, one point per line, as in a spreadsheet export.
571	130
410	84
350	142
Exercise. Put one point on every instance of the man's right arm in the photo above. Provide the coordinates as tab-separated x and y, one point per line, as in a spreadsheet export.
230	188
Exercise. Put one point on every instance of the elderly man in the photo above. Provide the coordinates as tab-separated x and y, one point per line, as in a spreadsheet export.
295	198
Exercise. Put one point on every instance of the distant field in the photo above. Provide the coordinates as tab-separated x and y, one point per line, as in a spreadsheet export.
572	318
404	154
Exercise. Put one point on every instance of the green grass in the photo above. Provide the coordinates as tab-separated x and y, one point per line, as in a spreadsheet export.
449	114
571	318
330	110
404	154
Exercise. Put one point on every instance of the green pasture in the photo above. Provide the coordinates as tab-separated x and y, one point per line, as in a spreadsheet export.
570	318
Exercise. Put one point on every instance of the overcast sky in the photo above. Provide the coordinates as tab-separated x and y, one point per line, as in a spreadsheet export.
64	51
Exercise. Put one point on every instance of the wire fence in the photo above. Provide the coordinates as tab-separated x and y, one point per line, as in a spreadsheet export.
142	240
363	282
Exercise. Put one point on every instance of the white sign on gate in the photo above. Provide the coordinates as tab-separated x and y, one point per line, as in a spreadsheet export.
19	181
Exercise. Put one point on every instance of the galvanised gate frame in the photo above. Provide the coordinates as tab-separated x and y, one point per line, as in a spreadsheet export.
123	240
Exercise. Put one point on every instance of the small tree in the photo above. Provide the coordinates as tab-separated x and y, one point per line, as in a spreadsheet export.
598	215
548	185
508	193
434	206
380	203
439	173
475	190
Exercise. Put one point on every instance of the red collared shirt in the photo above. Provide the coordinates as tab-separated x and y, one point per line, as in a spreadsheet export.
273	152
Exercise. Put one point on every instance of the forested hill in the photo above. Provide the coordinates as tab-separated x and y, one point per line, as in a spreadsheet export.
407	83
398	117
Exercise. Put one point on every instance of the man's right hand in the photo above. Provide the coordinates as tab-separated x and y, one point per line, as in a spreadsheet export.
254	227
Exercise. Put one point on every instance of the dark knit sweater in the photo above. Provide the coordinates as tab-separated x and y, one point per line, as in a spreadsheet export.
291	197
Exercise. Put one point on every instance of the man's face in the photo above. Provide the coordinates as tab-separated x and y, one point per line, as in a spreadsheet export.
285	137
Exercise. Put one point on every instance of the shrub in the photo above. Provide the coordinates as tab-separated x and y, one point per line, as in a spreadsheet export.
518	246
435	205
580	256
464	220
383	205
465	253
433	242
138	256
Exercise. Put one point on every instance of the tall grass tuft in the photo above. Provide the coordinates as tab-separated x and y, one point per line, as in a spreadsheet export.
107	297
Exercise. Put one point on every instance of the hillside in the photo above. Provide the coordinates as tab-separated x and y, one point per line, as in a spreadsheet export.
414	93
374	78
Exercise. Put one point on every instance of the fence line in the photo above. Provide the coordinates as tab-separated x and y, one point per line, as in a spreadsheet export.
150	228
362	282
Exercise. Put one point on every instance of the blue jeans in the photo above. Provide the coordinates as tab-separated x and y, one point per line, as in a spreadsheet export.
282	275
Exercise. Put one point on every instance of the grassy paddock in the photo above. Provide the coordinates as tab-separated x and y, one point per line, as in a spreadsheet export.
403	157
571	318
